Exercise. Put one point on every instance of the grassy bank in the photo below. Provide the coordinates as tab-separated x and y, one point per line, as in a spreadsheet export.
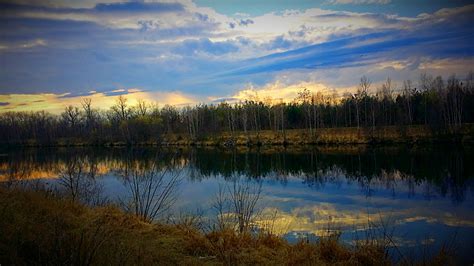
323	136
379	135
39	228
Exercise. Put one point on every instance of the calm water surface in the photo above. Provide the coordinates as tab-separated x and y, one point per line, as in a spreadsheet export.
423	195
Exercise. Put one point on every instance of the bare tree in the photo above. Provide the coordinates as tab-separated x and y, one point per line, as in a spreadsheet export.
425	84
88	112
386	97
268	103
454	103
152	191
230	114
71	116
121	108
142	107
192	118
236	205
304	97
78	179
281	107
244	197
356	99
221	206
364	87
244	117
408	93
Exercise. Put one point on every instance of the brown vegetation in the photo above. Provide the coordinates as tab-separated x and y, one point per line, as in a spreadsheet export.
379	135
39	228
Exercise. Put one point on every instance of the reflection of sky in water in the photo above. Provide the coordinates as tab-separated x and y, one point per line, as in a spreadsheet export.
296	210
420	206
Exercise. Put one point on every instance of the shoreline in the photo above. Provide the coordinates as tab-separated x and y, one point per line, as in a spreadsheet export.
409	135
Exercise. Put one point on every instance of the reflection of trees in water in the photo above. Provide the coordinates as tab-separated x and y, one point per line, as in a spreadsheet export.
429	171
14	173
152	189
236	204
453	178
78	179
19	169
396	170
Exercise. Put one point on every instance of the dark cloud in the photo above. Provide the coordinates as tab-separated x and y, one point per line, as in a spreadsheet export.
138	7
119	92
202	17
245	22
242	22
279	43
125	7
226	99
301	32
76	94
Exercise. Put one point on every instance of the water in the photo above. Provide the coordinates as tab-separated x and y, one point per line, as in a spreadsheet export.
422	196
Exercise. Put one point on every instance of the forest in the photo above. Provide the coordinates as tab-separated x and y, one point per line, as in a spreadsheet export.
438	104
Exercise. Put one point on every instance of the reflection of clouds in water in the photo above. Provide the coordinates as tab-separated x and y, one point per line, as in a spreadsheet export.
344	207
304	192
397	171
347	179
315	218
24	170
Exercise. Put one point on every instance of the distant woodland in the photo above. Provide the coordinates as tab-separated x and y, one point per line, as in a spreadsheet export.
438	104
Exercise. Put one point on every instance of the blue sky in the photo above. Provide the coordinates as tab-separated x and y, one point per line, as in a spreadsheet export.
54	52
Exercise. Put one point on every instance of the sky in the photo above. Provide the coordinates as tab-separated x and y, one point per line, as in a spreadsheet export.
54	53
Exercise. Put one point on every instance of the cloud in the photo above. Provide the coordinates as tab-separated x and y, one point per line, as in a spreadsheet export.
70	47
113	15
56	103
134	7
189	47
359	2
240	22
23	45
278	91
246	22
314	218
60	3
423	39
279	43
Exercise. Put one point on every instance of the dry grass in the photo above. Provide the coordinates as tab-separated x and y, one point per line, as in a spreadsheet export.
349	135
40	228
339	135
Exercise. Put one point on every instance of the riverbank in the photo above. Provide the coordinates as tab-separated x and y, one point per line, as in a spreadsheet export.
38	227
324	136
328	136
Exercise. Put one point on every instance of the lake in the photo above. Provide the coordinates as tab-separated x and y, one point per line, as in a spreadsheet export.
422	196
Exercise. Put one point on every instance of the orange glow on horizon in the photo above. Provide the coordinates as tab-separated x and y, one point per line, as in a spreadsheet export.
55	103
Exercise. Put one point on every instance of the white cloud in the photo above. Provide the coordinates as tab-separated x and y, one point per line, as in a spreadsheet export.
142	46
280	91
23	45
301	27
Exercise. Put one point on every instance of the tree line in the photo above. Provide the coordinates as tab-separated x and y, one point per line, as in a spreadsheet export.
432	101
